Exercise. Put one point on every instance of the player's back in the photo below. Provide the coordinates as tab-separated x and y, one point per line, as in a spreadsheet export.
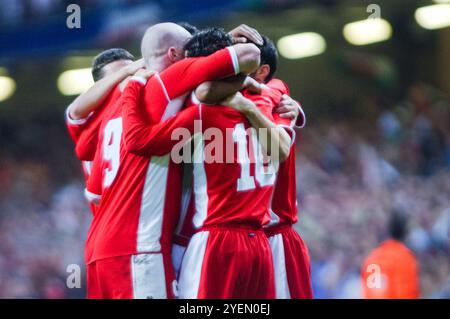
130	216
232	190
232	184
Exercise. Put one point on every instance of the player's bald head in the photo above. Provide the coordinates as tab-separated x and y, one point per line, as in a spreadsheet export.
160	38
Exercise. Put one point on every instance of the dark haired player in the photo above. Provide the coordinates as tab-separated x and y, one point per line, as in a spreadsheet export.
229	256
83	116
290	253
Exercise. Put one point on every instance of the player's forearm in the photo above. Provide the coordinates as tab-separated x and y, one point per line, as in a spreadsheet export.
274	140
248	56
213	92
90	100
135	129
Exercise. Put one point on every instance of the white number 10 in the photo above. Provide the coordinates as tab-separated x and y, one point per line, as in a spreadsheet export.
264	175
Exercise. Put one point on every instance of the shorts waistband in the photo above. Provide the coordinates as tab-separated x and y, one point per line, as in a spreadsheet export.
235	227
277	229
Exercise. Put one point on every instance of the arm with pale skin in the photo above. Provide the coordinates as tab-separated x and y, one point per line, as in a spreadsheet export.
93	98
277	142
213	92
216	91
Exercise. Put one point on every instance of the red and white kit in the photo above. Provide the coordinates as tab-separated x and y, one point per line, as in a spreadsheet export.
129	241
84	133
229	256
290	253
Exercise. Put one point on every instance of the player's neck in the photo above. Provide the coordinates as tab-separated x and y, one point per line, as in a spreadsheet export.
157	65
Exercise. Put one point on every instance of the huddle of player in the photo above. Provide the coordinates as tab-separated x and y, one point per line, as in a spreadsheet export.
201	228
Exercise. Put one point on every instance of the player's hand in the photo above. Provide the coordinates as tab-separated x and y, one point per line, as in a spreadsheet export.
288	108
238	102
144	73
244	33
133	67
252	85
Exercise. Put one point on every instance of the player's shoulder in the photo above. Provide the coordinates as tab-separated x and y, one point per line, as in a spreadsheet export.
271	95
265	97
113	110
179	65
279	85
113	96
109	103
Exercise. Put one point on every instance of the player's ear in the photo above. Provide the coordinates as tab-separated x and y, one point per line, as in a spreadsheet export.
265	70
262	72
174	55
171	54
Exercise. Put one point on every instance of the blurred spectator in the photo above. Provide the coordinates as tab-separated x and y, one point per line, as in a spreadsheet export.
391	271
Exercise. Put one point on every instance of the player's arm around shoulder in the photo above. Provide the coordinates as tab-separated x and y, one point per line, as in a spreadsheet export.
86	103
134	126
214	92
277	142
247	57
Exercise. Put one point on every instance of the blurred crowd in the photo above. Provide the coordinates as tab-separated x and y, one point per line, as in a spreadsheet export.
351	174
42	232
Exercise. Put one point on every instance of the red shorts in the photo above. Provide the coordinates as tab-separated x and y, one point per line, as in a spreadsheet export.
291	263
143	276
227	262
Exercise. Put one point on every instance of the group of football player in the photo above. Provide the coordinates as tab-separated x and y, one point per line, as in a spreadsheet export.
199	227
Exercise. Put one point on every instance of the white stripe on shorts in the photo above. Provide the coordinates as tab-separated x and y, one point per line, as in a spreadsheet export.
279	265
148	276
191	267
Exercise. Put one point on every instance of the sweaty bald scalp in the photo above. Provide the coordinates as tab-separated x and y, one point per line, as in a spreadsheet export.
158	39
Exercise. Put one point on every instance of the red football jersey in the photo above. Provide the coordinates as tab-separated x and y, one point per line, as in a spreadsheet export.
231	187
140	195
84	133
284	199
284	202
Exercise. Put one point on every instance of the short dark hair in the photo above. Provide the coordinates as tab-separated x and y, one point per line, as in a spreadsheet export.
398	225
206	42
269	55
192	29
107	57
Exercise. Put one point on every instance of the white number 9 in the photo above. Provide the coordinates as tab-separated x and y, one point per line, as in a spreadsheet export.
111	149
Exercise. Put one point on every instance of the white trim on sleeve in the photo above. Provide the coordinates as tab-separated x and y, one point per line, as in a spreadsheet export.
163	86
291	132
194	98
302	114
235	59
71	121
91	197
